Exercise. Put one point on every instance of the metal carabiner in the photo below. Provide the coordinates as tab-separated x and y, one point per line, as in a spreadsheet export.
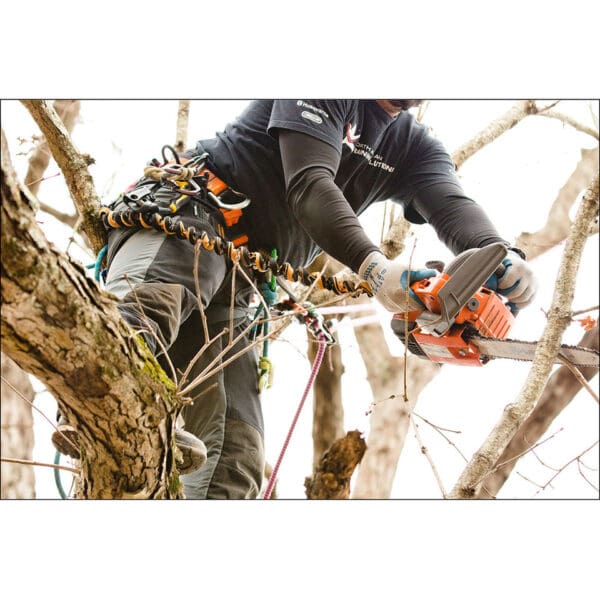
237	205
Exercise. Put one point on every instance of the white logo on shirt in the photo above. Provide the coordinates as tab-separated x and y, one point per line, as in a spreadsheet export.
311	117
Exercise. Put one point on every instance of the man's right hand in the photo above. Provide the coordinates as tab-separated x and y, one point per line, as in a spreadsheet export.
389	281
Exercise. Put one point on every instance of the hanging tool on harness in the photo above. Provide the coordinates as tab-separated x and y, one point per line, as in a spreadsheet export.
464	321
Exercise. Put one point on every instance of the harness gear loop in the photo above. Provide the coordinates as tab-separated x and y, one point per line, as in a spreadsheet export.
151	219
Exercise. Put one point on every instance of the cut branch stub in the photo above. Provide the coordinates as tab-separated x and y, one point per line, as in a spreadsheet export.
331	479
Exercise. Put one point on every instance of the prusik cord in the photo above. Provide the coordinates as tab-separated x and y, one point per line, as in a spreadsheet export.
137	219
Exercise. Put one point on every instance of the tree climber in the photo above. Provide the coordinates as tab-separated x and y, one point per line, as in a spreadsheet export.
308	169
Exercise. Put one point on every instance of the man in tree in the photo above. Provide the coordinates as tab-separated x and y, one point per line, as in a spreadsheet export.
309	168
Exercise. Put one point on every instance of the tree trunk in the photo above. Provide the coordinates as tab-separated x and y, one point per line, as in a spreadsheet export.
560	390
57	325
391	412
16	481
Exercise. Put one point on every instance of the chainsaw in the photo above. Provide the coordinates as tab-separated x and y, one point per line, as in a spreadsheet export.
463	322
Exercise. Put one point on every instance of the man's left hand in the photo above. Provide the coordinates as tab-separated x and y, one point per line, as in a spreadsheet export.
518	284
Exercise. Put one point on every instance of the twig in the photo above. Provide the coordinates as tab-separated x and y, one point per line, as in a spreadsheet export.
579	463
23	397
580	312
577	374
552	114
198	291
434	425
406	303
559	471
428	457
34	463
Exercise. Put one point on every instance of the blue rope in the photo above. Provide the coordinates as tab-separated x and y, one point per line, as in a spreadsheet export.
97	266
57	480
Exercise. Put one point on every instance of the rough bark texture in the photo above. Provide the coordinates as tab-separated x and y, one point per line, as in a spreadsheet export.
391	413
57	325
68	111
331	479
559	317
74	168
183	115
558	223
16	441
560	390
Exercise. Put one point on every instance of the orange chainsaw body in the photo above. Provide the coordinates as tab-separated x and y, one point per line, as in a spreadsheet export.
485	312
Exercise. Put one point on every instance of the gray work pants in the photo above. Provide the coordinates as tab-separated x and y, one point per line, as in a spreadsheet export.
153	276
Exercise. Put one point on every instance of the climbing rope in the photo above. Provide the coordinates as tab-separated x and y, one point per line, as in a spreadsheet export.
313	374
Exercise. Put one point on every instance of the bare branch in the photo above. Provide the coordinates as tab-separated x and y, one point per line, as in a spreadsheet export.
70	220
183	115
553	114
558	319
495	129
558	222
33	463
74	167
577	374
424	451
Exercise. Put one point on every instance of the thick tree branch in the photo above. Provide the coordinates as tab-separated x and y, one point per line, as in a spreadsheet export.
74	167
183	115
495	129
558	223
559	318
57	325
68	111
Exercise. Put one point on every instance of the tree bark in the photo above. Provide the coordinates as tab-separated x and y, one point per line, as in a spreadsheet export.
558	223
57	325
560	390
16	441
331	479
559	317
74	167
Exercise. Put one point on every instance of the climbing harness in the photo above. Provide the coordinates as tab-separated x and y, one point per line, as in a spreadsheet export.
145	211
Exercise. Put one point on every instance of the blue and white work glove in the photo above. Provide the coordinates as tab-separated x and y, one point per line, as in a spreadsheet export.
518	284
389	280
